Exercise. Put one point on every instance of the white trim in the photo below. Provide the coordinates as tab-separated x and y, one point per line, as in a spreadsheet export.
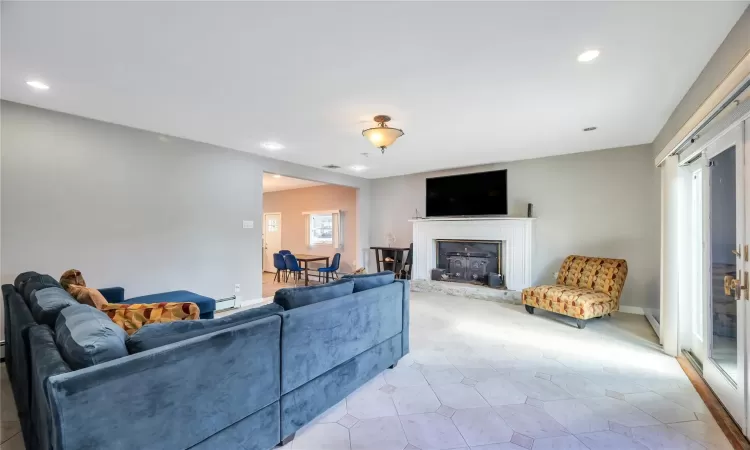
654	324
739	75
716	132
249	302
632	310
330	211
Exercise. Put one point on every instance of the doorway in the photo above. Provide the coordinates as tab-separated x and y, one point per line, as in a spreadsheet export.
718	230
271	239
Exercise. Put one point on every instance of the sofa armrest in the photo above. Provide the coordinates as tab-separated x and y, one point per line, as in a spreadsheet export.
114	294
179	394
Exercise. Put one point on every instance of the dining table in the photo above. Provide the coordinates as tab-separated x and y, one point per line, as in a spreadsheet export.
307	259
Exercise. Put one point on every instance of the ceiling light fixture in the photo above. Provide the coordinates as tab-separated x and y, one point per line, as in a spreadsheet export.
588	56
382	136
358	168
38	85
272	146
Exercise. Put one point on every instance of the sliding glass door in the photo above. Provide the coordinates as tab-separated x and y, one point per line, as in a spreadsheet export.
725	264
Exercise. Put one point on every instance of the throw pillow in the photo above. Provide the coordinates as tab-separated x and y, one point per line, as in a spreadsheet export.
290	298
87	296
132	317
371	280
86	337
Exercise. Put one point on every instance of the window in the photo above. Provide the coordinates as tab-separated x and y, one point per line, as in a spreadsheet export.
323	228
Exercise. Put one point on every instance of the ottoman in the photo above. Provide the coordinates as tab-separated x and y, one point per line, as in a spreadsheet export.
206	305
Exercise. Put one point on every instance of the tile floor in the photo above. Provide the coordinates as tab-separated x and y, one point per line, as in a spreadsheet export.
488	376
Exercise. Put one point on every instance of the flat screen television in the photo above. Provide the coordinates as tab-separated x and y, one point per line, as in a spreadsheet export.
472	194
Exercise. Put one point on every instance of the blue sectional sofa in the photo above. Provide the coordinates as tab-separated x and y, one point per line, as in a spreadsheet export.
247	381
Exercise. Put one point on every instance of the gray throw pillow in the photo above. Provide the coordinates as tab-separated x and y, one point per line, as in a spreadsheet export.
47	303
86	336
290	298
370	280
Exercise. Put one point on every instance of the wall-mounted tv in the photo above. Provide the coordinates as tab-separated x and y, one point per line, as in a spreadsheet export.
472	194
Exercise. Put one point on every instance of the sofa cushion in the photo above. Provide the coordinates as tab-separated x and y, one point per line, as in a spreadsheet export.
571	301
290	298
370	280
132	317
86	336
159	334
37	282
46	304
21	279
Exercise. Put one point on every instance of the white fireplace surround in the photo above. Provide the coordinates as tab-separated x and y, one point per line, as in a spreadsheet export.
516	235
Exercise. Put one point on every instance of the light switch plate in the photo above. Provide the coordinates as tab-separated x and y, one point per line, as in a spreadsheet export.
247	224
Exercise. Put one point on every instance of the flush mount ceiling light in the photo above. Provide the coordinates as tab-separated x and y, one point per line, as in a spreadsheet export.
357	168
382	136
38	85
588	56
272	146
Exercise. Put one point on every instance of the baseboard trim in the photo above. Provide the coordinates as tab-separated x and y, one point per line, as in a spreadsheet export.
249	302
722	417
654	324
632	310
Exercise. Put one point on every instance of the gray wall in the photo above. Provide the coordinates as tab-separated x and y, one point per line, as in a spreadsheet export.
130	210
602	203
735	46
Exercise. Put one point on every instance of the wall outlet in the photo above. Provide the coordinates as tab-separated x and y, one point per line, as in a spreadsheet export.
236	288
247	224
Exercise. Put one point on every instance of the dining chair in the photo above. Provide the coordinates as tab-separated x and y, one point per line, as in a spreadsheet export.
406	271
292	265
284	252
332	269
280	265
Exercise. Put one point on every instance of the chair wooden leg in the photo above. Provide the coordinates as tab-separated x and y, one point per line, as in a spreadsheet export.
276	275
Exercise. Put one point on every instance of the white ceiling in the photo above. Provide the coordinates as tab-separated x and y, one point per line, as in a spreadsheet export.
469	83
273	183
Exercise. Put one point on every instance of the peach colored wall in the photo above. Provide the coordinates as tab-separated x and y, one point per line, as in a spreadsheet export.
292	203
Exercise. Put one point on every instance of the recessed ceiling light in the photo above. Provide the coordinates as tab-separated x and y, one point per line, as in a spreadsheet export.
357	168
272	145
589	129
277	176
588	56
38	85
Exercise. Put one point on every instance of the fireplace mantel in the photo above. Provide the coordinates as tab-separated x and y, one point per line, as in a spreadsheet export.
516	233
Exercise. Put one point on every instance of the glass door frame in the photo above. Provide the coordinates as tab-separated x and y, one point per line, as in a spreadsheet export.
732	393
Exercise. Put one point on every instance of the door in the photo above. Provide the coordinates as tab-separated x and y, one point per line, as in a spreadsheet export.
726	258
271	239
696	287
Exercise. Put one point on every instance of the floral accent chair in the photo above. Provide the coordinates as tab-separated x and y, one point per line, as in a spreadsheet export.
586	287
